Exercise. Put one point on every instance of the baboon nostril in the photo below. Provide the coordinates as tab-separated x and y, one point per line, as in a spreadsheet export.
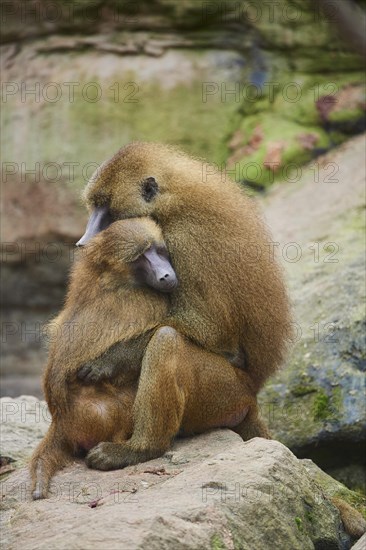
166	276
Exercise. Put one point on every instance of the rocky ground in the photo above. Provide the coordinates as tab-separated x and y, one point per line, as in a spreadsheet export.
316	403
212	491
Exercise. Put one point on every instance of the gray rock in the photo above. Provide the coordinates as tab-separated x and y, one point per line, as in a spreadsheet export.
24	421
211	491
361	544
36	255
315	405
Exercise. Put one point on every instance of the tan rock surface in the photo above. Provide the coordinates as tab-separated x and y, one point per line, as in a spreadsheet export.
211	491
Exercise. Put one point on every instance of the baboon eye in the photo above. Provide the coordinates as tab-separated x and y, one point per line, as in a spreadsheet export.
149	188
100	199
162	251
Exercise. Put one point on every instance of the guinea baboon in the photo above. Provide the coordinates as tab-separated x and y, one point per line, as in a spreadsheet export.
231	297
124	274
127	263
108	300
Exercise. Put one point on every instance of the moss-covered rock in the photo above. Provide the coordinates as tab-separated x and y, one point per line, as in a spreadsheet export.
316	405
318	395
68	129
333	489
285	146
186	72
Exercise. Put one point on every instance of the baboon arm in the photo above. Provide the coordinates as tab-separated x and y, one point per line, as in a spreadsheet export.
128	355
182	388
106	366
121	358
163	415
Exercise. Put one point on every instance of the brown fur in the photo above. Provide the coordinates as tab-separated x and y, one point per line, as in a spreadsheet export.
354	523
103	304
229	301
102	289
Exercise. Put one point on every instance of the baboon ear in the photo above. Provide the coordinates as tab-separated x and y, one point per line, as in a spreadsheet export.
149	188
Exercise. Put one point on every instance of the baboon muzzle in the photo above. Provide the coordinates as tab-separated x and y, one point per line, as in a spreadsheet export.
99	219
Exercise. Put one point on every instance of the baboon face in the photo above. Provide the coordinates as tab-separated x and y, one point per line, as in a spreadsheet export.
137	197
142	179
126	186
153	268
133	251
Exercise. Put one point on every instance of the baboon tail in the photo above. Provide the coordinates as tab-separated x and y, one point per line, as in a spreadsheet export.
52	454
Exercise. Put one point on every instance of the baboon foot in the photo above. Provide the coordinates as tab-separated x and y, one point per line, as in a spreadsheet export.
250	428
113	456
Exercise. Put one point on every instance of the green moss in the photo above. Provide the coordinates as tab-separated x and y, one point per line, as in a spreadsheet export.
299	524
321	406
335	489
309	517
327	406
87	132
337	401
217	543
276	130
347	115
297	97
285	117
302	389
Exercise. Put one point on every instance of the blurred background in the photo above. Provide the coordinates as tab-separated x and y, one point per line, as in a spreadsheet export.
259	88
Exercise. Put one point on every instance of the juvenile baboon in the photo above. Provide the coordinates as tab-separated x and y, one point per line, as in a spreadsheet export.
125	265
231	297
124	276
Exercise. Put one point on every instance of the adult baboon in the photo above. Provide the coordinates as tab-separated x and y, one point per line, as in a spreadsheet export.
231	298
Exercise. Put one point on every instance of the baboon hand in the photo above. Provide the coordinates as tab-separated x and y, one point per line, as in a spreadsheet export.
93	372
112	456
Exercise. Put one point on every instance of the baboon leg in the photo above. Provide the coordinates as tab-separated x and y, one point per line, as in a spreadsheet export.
182	388
51	455
158	408
252	426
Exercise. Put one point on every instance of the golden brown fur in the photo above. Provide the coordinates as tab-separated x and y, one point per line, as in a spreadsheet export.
102	288
231	295
231	298
102	304
354	523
